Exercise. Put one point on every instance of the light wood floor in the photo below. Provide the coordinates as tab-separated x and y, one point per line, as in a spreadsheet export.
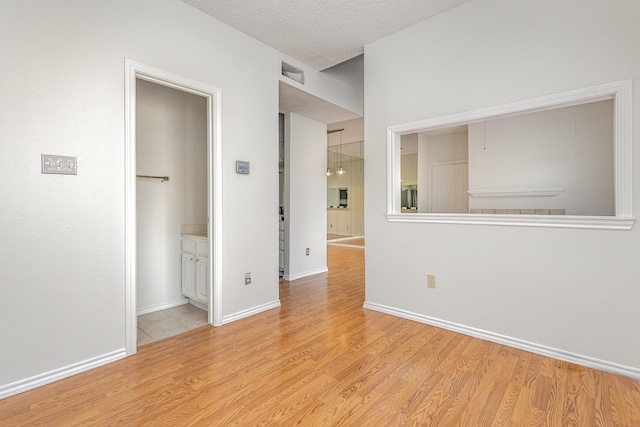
322	360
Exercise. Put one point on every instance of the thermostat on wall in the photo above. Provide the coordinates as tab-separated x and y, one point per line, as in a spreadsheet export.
242	167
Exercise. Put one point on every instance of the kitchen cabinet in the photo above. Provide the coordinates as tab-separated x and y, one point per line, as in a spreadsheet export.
195	267
339	221
344	222
332	221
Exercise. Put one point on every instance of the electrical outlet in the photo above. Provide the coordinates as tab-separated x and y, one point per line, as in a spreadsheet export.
307	251
247	278
431	281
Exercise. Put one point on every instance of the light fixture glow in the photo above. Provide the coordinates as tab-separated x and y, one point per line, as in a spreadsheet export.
340	170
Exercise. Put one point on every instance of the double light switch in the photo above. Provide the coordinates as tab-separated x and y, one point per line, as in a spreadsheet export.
64	165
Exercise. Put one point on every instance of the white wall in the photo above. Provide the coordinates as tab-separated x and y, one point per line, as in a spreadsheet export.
348	76
353	132
62	237
171	139
569	289
409	169
339	85
356	197
447	147
305	196
569	148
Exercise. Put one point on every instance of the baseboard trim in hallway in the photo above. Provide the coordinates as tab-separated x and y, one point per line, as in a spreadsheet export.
305	274
543	350
250	312
58	374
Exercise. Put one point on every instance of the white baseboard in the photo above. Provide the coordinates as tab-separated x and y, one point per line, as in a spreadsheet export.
345	245
198	304
305	274
162	306
341	239
250	312
60	373
555	353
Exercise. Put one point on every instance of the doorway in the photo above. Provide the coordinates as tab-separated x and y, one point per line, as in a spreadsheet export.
345	189
171	211
136	72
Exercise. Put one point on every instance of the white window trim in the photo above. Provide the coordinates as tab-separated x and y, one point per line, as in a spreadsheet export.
623	219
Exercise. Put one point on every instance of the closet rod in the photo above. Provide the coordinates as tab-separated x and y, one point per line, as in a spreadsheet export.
163	178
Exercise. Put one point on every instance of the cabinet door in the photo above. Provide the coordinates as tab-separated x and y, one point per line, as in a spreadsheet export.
202	290
344	222
332	221
189	275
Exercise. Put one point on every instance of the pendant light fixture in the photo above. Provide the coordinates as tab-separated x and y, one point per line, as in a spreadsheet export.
340	170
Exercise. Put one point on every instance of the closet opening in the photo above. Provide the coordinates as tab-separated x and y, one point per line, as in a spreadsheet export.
173	205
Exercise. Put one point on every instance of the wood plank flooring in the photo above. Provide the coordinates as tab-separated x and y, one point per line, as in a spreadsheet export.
322	360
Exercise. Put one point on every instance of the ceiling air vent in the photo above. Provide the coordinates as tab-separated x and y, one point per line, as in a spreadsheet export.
294	73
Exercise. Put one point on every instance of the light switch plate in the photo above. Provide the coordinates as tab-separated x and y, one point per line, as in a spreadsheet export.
62	165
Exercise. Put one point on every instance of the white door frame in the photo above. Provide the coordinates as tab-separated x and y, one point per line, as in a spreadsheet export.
133	71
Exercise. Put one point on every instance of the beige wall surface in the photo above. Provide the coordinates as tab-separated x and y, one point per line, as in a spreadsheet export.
63	238
572	290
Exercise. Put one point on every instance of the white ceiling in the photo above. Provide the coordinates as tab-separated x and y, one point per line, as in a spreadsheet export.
321	33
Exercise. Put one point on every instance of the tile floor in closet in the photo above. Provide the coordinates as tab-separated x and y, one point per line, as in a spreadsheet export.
169	322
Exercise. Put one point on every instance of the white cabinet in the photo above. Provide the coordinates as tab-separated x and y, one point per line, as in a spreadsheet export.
332	221
339	221
202	290
344	222
189	275
195	267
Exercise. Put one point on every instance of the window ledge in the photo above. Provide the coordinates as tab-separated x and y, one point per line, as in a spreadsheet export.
555	221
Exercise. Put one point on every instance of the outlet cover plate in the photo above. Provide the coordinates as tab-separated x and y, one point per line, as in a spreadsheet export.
431	281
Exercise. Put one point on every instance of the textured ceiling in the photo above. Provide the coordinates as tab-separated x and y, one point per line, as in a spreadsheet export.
321	33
